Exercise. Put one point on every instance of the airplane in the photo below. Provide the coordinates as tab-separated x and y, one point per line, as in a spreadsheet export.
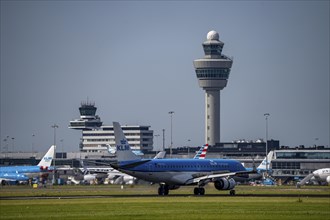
24	173
259	170
173	173
320	176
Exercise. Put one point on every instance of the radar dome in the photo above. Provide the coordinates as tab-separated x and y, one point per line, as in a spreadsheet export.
212	35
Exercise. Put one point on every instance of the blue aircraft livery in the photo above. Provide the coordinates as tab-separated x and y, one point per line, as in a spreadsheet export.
24	173
173	173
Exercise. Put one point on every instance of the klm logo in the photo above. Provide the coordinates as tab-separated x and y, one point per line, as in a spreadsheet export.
123	146
47	159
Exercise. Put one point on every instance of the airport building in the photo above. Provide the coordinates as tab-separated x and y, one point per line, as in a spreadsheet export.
212	72
293	164
88	119
96	138
139	137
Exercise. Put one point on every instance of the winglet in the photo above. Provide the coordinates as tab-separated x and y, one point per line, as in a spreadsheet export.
123	150
46	161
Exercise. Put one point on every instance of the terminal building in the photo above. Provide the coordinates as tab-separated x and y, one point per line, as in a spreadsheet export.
97	137
139	137
293	164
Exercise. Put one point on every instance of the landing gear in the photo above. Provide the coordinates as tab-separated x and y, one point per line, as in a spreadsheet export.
232	192
163	190
199	191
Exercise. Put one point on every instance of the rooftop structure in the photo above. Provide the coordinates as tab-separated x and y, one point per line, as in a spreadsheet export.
88	119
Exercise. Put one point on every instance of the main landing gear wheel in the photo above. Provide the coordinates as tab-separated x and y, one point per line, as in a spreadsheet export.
232	192
163	190
199	191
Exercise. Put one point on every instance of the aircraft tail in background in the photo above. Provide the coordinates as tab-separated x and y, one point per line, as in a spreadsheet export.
123	150
160	155
202	152
46	161
262	166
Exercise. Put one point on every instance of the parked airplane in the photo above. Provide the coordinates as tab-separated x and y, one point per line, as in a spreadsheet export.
259	170
173	173
24	173
321	176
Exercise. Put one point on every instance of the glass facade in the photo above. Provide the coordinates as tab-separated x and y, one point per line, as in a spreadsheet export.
286	165
222	73
303	155
87	110
212	49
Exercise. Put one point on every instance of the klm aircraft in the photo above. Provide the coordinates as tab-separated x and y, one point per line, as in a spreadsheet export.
24	173
173	173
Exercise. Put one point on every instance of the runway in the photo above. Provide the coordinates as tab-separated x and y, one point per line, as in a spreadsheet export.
150	196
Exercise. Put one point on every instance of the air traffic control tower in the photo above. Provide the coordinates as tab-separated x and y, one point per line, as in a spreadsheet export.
88	119
212	73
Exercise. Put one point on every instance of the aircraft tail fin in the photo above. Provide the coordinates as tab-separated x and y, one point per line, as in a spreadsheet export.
123	150
46	161
262	166
202	152
110	149
160	155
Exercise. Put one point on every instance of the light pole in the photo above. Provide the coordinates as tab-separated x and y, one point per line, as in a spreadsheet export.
13	146
171	113
316	139
188	147
62	143
7	140
54	126
266	117
163	139
32	146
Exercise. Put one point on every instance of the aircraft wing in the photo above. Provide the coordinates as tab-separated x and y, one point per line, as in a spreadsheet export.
210	177
129	165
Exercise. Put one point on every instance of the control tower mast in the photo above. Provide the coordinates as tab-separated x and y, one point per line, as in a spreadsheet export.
88	119
212	73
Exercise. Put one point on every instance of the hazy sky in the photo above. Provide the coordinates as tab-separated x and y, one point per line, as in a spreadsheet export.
134	59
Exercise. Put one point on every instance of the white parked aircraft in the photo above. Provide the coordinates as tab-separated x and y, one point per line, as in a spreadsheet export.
320	176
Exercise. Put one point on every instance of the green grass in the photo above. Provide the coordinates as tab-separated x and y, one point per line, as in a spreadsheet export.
168	208
108	190
179	205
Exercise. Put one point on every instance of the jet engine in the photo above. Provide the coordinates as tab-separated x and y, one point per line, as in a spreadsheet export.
224	184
